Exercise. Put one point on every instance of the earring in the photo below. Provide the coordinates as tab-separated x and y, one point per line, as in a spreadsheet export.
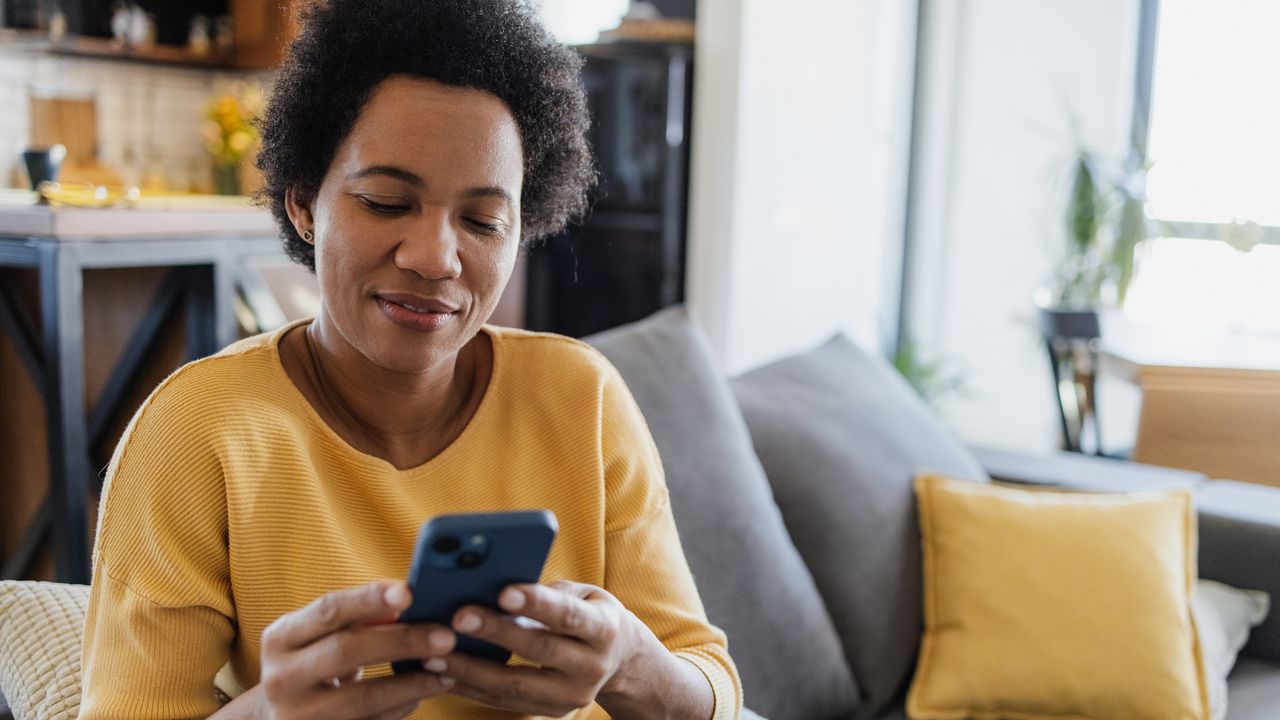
308	236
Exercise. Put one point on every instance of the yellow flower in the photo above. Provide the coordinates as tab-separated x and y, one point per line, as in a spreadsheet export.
239	142
229	132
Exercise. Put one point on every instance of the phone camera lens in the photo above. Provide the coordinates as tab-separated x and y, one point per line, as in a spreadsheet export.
470	559
446	545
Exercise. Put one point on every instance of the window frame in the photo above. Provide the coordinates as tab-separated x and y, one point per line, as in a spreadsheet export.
1140	135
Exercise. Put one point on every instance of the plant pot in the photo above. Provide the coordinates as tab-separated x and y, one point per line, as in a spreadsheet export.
1069	323
1070	336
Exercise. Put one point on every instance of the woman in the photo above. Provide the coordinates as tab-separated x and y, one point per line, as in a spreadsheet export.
263	504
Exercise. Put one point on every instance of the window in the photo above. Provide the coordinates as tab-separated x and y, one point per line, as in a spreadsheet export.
574	22
1214	184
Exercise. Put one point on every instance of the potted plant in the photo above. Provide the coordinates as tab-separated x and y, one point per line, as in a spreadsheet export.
231	134
1106	223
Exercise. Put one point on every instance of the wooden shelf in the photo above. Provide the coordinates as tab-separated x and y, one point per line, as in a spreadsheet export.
91	47
262	32
103	49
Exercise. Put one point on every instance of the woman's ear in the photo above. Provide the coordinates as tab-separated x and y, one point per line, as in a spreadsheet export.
299	213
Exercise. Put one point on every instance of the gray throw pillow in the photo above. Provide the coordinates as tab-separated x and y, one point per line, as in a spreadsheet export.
841	436
751	578
1224	616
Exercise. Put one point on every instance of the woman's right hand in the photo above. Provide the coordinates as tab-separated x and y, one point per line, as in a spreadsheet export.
311	658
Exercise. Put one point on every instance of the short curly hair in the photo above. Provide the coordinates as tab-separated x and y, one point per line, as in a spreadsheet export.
347	47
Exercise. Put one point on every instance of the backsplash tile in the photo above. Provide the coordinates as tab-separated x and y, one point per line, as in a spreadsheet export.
148	116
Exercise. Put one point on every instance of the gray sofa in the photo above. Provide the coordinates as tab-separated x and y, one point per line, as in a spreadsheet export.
791	486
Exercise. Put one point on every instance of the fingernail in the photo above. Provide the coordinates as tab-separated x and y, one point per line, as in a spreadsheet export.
447	682
468	623
396	595
440	639
511	600
435	665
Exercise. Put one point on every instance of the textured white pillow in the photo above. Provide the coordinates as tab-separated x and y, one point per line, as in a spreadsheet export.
41	625
1224	616
40	628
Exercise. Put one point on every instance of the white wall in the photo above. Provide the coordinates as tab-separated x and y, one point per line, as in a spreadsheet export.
1001	79
799	138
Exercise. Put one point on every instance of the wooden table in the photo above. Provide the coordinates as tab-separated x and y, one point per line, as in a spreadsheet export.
206	247
1210	403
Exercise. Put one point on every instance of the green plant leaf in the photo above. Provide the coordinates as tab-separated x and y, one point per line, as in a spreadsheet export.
933	380
1084	212
1133	230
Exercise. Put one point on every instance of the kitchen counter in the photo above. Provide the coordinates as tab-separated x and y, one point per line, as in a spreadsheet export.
206	244
152	219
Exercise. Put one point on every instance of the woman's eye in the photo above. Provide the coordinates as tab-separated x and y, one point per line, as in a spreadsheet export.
486	228
384	208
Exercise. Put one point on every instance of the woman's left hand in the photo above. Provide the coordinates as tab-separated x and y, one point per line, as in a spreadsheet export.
588	647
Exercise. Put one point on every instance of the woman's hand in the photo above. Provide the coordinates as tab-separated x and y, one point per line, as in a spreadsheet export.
311	658
588	648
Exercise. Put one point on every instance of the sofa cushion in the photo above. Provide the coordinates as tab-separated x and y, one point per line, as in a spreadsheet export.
1043	605
1224	616
1254	691
841	436
40	629
1239	544
751	578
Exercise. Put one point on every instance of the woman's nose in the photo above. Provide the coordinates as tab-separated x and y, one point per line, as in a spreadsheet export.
431	249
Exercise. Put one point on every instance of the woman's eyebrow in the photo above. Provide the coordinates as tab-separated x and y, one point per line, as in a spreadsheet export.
389	171
487	192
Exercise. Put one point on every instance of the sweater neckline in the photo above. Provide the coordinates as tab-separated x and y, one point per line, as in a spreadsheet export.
483	410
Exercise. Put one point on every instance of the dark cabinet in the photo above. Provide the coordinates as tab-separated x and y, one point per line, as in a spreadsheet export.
628	259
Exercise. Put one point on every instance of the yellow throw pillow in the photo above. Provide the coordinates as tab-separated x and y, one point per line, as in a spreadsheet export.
1063	606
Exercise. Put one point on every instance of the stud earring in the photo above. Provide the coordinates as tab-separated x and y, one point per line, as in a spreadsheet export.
308	236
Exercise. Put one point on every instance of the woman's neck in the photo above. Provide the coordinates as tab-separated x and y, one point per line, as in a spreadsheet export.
403	418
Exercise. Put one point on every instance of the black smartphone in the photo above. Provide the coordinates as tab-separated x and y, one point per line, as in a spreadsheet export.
468	559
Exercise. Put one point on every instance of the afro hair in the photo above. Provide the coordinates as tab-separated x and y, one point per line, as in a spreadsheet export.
347	47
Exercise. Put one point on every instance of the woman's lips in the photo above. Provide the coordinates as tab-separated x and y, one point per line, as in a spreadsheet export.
416	314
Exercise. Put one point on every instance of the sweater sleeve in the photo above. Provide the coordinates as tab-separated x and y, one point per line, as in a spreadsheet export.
645	566
160	621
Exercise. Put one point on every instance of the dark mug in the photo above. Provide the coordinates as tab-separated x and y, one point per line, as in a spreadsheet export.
43	163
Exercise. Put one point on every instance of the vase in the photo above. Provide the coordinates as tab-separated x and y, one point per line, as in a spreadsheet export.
226	179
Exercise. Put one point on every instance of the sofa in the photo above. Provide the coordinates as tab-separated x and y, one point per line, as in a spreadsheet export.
792	490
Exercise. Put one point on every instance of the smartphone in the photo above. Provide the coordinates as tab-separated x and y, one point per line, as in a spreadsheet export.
468	559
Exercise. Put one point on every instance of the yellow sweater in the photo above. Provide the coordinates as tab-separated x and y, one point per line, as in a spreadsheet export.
229	502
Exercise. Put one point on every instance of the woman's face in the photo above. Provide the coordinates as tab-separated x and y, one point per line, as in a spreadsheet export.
417	222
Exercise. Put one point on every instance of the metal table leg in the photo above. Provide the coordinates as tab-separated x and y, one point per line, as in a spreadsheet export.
213	268
202	338
62	311
223	296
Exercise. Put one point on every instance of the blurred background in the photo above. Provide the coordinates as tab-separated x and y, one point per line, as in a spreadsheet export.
1059	219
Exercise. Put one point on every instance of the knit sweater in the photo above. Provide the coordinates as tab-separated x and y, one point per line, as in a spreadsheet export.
229	502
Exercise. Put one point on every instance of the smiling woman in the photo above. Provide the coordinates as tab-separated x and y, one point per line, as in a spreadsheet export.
263	505
416	222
